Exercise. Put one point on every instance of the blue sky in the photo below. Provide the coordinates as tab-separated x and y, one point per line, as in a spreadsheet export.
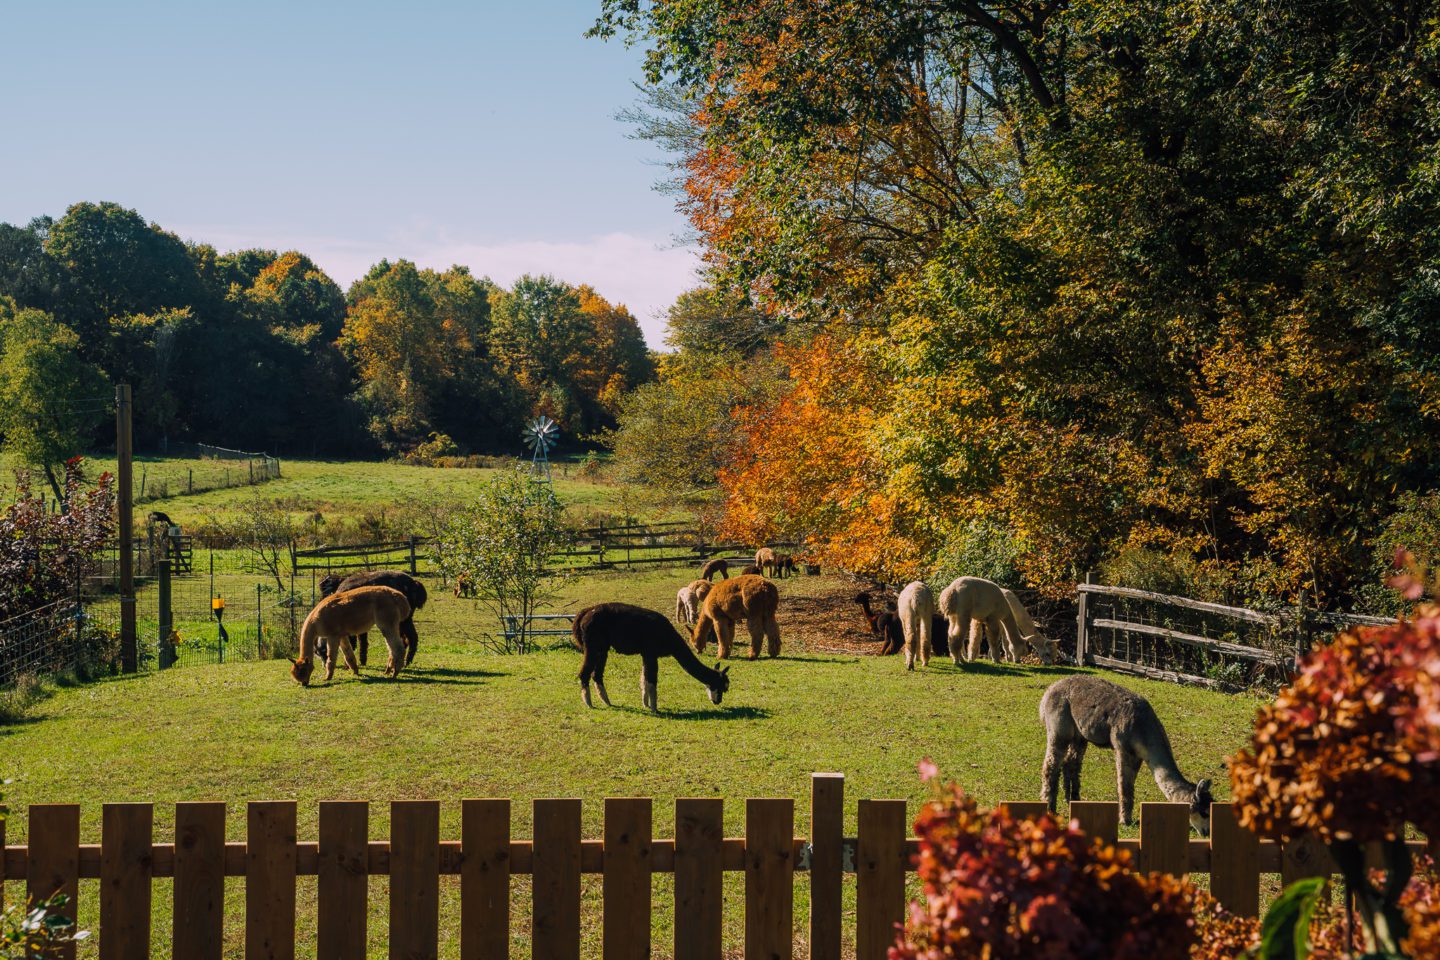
479	132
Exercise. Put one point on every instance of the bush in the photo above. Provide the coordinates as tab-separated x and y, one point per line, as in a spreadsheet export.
1414	527
1175	572
980	548
1009	888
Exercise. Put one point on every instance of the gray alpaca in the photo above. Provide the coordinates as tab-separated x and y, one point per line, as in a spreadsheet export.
1080	710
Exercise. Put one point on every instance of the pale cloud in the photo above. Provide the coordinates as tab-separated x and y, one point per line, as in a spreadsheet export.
643	273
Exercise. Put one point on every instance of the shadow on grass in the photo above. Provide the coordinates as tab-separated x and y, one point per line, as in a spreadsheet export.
803	658
450	672
710	713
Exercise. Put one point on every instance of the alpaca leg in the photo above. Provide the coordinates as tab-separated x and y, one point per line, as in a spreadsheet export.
586	670
772	634
1074	758
1127	765
911	640
999	647
1050	774
927	643
331	652
412	639
725	630
347	650
397	649
600	660
649	683
364	648
977	636
756	625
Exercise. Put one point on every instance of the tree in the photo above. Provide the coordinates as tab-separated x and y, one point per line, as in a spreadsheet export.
300	294
705	320
540	335
503	544
51	400
617	359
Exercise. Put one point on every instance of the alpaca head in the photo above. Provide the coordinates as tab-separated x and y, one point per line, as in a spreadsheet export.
301	670
717	690
329	585
1200	808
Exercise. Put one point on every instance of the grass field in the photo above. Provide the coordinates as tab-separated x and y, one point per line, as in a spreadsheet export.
464	723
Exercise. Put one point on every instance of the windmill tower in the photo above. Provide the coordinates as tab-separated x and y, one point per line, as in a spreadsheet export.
540	435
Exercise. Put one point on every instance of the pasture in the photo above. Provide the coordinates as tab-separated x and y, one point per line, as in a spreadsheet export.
466	723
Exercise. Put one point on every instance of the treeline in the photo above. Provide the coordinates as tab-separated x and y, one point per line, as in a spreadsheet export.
1139	286
261	350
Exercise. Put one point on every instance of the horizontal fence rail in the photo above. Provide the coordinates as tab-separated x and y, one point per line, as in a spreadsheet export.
486	857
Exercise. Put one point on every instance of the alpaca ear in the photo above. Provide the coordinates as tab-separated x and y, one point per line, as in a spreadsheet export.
292	661
1202	789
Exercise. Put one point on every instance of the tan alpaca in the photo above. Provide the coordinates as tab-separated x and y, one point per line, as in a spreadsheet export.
749	598
688	599
973	600
766	560
342	615
916	609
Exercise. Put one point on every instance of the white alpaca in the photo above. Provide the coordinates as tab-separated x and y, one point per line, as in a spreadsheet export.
916	608
970	599
688	599
1044	647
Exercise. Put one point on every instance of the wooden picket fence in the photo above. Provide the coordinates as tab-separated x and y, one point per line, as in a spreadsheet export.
486	856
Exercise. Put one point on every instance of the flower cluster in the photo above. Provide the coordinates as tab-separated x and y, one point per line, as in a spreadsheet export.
1351	749
1003	887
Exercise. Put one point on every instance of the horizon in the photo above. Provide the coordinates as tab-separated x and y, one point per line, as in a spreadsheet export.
480	160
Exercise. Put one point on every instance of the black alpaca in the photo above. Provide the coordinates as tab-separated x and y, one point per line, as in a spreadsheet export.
885	625
628	629
414	592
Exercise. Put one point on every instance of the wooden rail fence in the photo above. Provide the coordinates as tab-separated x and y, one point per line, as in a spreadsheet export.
128	860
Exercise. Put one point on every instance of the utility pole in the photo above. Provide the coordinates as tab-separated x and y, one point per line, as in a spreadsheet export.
124	456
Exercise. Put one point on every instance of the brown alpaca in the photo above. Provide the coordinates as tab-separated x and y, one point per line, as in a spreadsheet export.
766	560
464	586
712	567
749	598
784	565
751	570
339	617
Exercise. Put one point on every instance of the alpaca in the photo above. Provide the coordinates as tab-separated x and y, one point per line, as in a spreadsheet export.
628	629
784	565
464	585
885	625
750	571
766	560
916	610
718	565
414	592
749	598
1080	710
339	617
162	519
1047	649
688	600
970	599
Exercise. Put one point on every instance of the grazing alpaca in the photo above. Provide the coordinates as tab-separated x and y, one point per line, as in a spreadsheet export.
688	600
414	592
970	599
916	612
765	559
1047	649
784	565
712	567
885	625
1080	710
750	570
337	618
464	585
628	629
749	598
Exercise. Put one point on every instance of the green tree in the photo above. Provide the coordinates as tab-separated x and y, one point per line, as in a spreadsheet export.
51	400
540	335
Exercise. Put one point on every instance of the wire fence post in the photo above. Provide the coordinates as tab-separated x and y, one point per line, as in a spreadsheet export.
259	623
166	656
412	555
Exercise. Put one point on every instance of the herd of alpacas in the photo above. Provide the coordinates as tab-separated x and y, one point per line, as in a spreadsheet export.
1077	711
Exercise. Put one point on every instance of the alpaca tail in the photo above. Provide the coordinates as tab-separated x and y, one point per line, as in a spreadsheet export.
577	630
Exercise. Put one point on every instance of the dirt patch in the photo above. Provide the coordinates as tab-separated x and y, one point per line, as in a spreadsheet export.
828	623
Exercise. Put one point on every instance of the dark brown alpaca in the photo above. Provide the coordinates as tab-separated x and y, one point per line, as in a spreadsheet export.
885	625
414	592
712	567
750	571
628	629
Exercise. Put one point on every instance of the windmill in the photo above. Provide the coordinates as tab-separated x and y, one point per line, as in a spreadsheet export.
540	435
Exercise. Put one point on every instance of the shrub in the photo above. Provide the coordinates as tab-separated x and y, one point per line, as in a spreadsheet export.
43	553
1351	751
1174	572
1413	527
1004	887
980	548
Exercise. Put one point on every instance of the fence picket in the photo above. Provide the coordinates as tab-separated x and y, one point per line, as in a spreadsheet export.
485	880
1099	819
880	877
54	859
343	883
827	838
1028	809
414	880
1234	862
769	879
555	928
199	894
626	886
125	872
699	839
270	880
1302	858
1164	838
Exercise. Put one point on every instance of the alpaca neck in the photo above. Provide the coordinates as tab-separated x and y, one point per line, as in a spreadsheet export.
864	602
691	664
1168	777
703	631
307	639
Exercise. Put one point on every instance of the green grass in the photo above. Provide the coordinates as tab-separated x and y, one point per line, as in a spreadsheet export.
464	723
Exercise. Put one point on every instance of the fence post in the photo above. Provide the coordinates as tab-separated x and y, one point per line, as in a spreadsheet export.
484	879
1164	839
1082	625
411	538
880	877
270	857
167	618
1234	862
827	843
259	623
769	879
1302	630
54	860
414	879
626	883
125	881
198	931
555	880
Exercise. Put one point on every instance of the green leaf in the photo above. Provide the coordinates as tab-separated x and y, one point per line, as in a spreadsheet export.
1285	932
